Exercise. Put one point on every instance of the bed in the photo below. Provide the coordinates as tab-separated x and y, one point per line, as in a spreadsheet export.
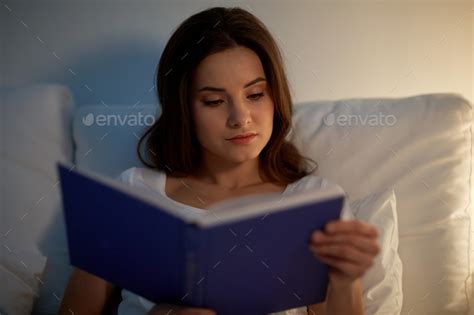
420	146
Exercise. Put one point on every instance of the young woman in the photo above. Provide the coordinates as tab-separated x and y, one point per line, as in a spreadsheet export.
225	113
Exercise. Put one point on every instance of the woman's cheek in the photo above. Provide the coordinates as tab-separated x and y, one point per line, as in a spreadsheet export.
210	126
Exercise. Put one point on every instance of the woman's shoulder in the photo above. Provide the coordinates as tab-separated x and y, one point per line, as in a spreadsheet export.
313	181
128	176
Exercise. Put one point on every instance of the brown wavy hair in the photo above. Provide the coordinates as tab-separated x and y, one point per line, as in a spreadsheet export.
171	145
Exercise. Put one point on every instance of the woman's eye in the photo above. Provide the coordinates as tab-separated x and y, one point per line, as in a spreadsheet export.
256	96
216	102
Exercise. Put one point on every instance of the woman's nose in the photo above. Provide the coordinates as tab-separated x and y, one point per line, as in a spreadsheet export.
239	114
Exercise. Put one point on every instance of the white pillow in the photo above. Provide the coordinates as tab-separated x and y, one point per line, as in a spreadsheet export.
420	146
15	294
382	283
37	121
19	285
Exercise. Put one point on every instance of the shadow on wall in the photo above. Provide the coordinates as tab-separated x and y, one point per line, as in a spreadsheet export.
116	74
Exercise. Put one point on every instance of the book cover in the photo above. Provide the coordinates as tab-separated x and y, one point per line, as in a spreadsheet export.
249	256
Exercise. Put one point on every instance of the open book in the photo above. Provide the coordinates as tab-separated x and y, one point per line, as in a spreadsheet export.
249	256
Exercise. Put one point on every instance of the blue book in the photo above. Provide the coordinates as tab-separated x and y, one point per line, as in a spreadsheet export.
250	256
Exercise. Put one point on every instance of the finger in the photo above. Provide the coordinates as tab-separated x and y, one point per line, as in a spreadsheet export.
365	244
344	252
351	226
345	267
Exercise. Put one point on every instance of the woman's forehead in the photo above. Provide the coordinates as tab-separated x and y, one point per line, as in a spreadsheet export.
235	66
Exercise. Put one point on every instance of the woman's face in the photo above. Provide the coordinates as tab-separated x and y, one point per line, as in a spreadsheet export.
231	97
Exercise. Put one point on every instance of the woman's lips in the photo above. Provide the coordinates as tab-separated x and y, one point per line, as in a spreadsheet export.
243	140
244	135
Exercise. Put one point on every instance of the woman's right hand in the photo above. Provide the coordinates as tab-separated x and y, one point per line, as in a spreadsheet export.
164	309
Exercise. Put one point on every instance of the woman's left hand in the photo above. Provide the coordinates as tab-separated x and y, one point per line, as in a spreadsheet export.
348	247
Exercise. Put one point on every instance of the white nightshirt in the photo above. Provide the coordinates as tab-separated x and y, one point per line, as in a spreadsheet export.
154	181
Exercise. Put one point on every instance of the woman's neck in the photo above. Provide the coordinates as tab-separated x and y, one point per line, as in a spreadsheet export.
231	176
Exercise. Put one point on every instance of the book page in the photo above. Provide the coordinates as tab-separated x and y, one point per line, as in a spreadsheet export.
253	205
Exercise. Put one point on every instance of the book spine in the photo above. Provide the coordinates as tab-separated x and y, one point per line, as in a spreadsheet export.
191	264
201	277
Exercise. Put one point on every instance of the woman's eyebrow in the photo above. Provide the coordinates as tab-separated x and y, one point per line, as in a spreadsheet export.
210	88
